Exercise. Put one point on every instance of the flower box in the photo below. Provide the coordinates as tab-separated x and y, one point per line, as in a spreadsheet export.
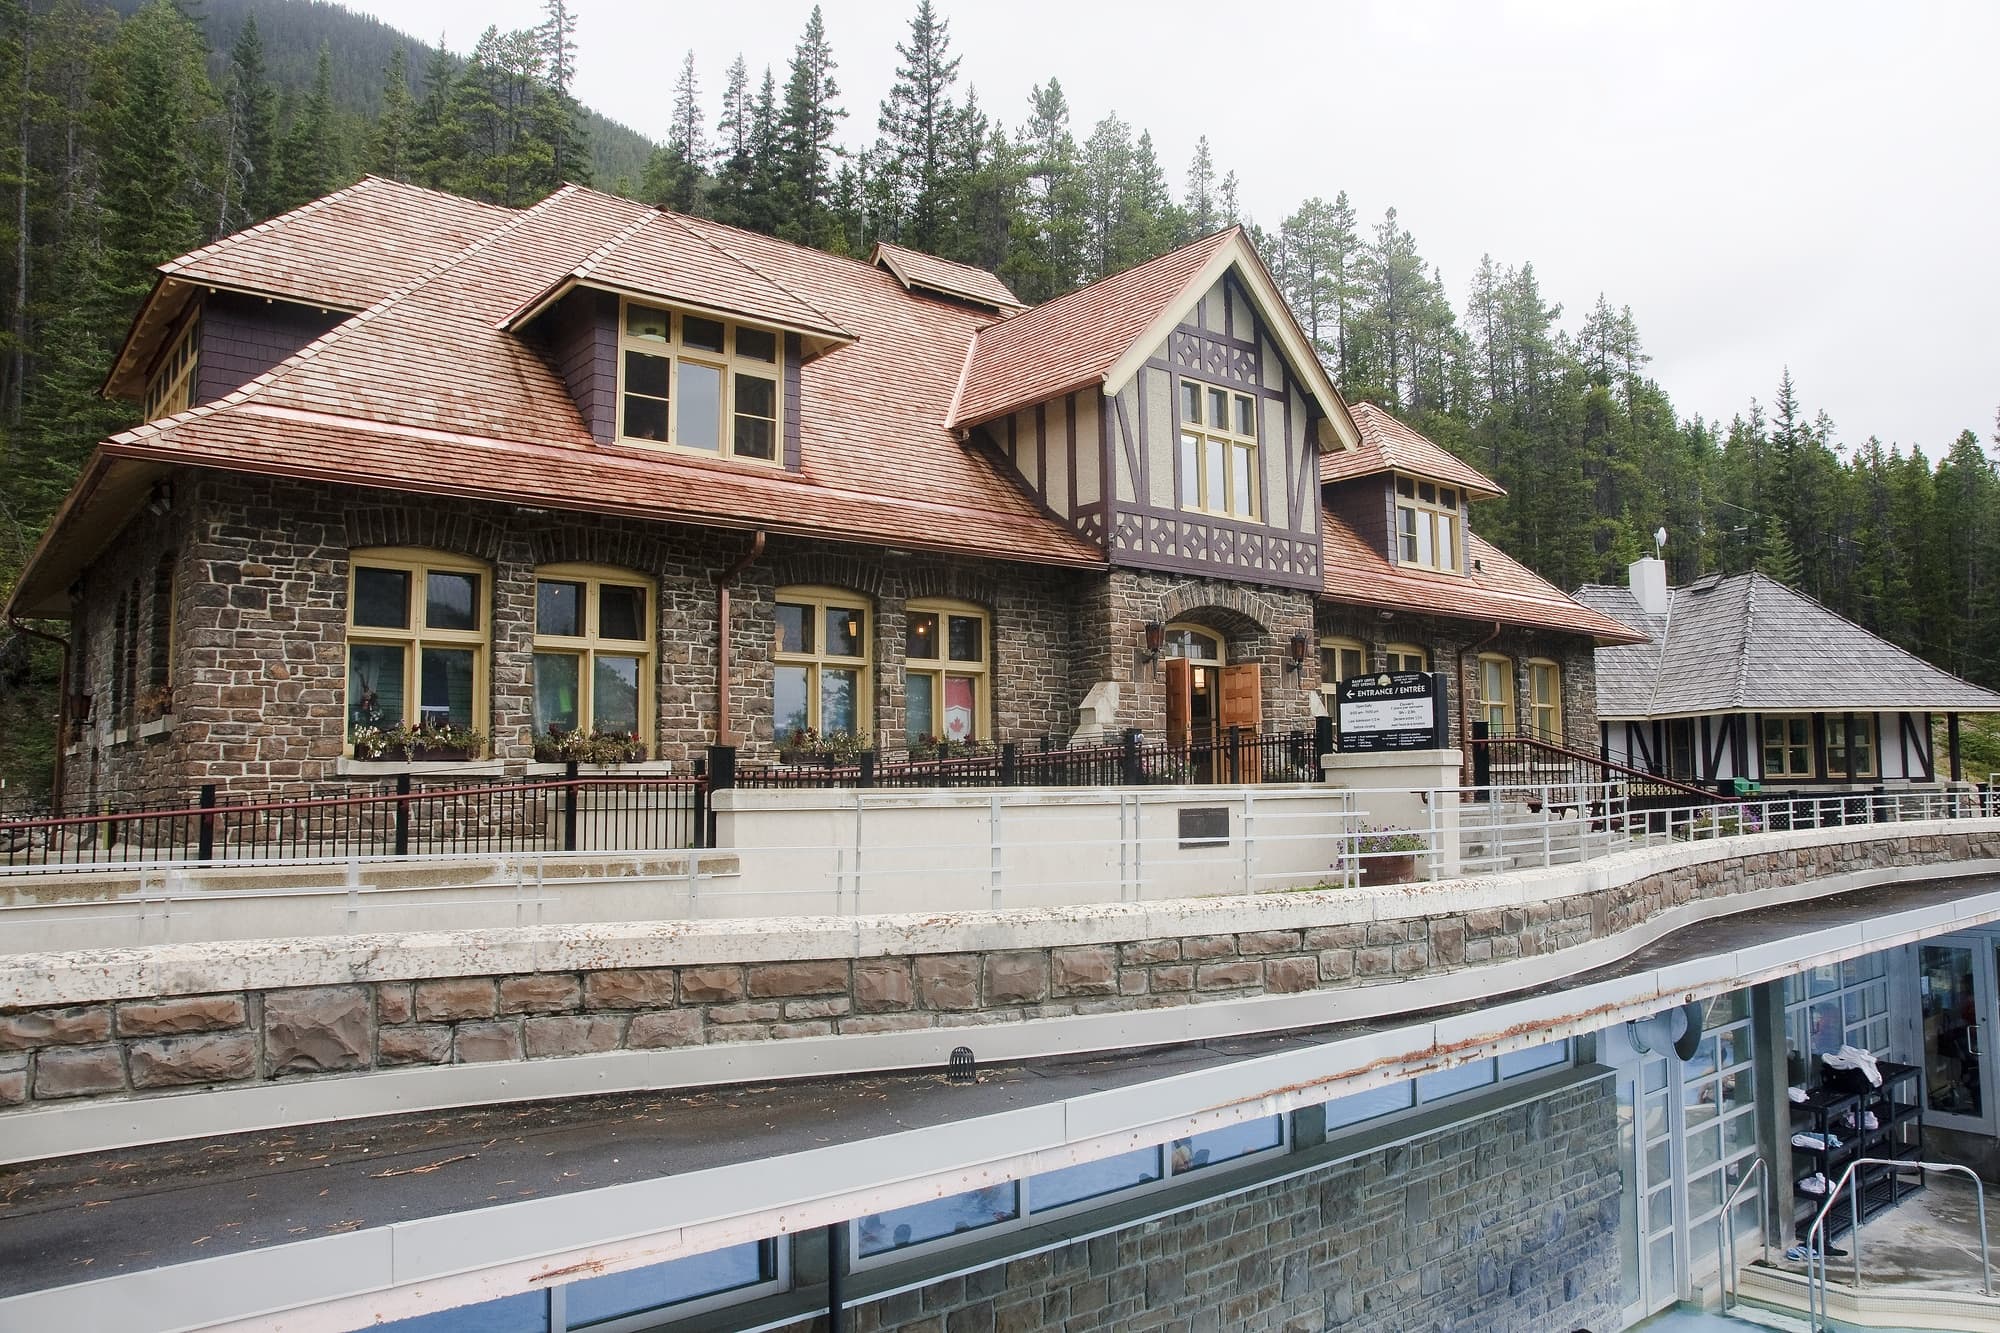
1393	868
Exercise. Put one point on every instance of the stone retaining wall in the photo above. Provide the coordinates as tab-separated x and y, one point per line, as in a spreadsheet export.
145	1045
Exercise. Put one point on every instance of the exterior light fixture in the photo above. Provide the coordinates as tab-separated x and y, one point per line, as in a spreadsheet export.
1299	645
1156	639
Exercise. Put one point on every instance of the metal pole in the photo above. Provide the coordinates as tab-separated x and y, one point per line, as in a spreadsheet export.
835	1297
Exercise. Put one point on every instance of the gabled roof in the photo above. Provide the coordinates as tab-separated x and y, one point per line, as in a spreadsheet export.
1498	588
1101	334
921	272
1747	643
659	257
1387	445
310	256
425	392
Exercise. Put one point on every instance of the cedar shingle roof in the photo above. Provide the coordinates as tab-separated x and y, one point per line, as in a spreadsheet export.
425	391
1747	643
1499	589
1075	339
310	255
1387	445
918	270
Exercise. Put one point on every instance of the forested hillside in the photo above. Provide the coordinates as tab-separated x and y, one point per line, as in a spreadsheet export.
139	133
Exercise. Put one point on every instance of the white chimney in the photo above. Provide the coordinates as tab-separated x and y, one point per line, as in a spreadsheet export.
1649	584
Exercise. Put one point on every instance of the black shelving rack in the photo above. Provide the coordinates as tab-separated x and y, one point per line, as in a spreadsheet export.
1897	1106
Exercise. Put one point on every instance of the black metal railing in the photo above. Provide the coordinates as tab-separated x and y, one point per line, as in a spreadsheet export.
568	814
1527	765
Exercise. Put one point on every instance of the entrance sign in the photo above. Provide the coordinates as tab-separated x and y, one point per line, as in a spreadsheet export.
1392	710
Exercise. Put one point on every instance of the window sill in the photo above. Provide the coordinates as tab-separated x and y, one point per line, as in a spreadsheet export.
121	735
159	726
637	768
348	767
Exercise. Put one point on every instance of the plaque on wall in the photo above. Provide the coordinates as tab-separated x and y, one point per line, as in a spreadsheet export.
1392	710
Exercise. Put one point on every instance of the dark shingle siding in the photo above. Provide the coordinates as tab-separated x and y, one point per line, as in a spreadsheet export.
244	336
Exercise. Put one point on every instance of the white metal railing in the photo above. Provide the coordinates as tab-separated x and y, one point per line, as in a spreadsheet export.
845	852
1725	1228
1816	1270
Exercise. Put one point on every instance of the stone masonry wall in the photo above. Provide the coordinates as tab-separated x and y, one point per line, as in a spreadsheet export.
1509	1222
146	1045
260	635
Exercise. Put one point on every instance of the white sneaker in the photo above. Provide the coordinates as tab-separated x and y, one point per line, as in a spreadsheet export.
1812	1184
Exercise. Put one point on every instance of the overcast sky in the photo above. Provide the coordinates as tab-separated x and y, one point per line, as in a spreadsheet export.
1806	184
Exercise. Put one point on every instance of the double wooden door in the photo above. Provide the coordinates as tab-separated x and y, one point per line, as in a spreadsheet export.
1203	702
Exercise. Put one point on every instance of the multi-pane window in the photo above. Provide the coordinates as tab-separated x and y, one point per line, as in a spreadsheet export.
172	386
1406	657
593	651
1837	742
821	661
1788	751
1496	693
1545	701
1340	659
1838	1004
945	673
1427	519
1218	450
416	640
707	385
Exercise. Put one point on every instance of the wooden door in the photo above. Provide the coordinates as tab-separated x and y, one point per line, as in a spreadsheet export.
1242	707
1180	700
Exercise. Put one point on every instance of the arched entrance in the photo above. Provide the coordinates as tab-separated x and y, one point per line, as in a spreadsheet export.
1206	696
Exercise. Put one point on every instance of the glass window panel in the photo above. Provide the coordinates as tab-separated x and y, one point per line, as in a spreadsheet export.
1446	1082
557	702
1427	492
1704	1149
1227	1144
1190	472
1516	1063
1240	479
846	628
1406	524
646	374
1736	1090
1730	1008
839	693
920	637
1739	1134
1191	402
1656	1115
1423	538
757	344
881	1232
795	628
1660	1262
966	635
756	395
374	685
614	694
1705	1190
1445	539
527	1312
451	600
1214	460
1448	498
621	613
919	709
1659	1160
645	419
559	608
705	334
788	700
1088	1180
1359	1106
1823	980
1406	488
447	686
755	438
1702	1062
596	1299
382	597
1246	415
643	321
961	707
1660	1210
1218	409
698	419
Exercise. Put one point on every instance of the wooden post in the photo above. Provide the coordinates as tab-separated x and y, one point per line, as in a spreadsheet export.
1951	738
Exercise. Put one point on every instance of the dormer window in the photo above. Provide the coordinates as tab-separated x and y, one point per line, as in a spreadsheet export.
172	389
692	382
1427	519
1218	450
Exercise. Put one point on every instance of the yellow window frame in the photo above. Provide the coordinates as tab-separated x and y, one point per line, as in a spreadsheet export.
1496	705
1421	515
938	665
1337	645
1789	745
171	389
1193	441
1548	716
1836	744
588	645
417	635
817	661
729	363
1407	657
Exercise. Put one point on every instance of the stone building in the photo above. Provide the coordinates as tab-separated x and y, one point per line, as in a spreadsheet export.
412	461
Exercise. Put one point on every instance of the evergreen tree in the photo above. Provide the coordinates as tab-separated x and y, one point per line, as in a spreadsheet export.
437	139
311	158
1775	556
1109	206
676	174
805	138
253	133
1050	234
1201	214
396	129
735	167
560	118
919	157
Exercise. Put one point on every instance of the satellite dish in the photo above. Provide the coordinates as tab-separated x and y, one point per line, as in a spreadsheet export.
1659	540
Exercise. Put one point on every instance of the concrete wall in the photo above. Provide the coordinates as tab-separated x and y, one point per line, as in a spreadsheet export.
1509	1222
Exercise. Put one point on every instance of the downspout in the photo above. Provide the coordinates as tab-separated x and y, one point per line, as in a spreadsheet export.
1465	708
723	736
56	773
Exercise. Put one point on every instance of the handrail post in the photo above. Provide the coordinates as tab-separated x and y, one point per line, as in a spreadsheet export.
569	806
866	776
205	844
1322	746
1129	758
1010	764
402	814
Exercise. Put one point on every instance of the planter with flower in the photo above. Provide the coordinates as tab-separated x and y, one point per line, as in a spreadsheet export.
563	745
1383	856
423	742
928	747
809	745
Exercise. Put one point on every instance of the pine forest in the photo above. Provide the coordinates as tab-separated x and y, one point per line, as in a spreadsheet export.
139	132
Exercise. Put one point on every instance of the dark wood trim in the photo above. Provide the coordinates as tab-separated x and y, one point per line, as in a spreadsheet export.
1604	741
1131	445
1711	754
1637	748
1847	722
1042	451
1819	744
1136	558
1951	739
1142	478
1739	727
1257	389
